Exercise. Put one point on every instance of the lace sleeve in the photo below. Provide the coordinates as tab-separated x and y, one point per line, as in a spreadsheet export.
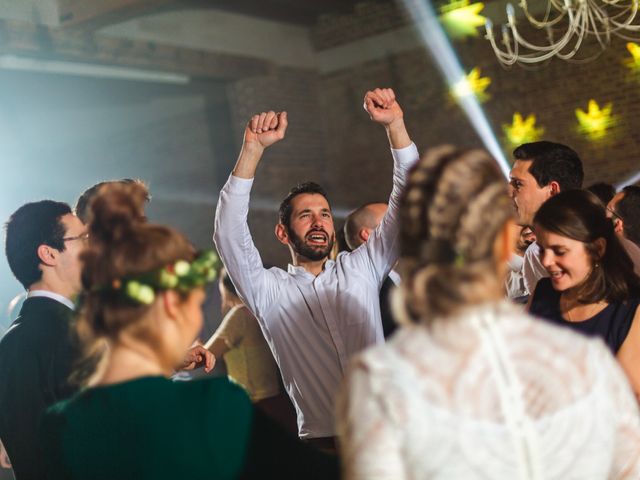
369	440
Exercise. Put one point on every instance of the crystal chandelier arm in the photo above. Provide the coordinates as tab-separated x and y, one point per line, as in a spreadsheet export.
547	51
554	47
597	16
604	20
562	13
503	57
627	24
584	20
575	21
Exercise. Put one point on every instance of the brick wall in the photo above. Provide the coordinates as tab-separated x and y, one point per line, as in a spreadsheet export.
299	157
552	92
368	18
331	139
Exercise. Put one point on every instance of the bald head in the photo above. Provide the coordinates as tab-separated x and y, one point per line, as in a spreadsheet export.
361	222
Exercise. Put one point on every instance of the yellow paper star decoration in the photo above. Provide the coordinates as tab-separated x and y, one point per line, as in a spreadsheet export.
634	50
522	130
595	121
461	19
472	84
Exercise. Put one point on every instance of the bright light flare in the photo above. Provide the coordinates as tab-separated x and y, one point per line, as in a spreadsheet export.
434	38
635	178
472	85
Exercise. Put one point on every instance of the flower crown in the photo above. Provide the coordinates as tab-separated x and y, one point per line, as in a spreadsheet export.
181	275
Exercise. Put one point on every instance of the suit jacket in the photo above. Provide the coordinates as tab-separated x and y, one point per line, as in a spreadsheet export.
36	357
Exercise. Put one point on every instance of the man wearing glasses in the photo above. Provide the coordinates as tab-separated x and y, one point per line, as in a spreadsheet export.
624	211
43	244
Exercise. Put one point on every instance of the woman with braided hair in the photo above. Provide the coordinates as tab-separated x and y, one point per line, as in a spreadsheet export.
143	292
472	387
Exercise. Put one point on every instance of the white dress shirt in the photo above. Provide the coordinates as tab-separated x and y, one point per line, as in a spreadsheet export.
313	324
514	282
532	269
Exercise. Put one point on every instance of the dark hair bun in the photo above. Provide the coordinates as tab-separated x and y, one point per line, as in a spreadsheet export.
116	210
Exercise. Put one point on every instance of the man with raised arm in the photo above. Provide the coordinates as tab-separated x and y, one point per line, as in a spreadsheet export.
320	312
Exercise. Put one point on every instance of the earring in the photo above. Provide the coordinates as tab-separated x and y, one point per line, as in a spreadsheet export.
597	265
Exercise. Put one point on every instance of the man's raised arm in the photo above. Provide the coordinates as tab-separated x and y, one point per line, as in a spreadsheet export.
382	107
255	285
380	252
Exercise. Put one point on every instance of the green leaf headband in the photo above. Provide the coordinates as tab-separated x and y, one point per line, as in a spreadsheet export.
181	275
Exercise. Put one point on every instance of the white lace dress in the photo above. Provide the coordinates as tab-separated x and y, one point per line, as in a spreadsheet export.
490	394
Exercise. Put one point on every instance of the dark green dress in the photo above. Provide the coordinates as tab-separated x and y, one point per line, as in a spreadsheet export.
150	428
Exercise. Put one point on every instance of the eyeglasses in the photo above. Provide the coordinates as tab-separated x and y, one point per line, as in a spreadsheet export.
83	236
614	215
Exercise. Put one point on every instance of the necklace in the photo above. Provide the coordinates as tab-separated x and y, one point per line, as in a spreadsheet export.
579	312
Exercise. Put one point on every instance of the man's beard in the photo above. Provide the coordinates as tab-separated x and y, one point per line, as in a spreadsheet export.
313	253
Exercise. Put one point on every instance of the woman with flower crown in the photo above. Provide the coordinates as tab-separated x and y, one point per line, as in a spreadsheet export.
143	292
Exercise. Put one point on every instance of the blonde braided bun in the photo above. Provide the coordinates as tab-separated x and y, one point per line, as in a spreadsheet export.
454	207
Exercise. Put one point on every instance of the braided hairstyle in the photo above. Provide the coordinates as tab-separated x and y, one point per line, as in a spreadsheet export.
453	208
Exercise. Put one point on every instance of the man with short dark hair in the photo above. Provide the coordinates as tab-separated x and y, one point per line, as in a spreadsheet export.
540	171
320	312
43	243
624	210
296	244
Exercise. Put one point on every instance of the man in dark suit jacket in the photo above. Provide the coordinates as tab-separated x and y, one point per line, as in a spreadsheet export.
357	228
43	243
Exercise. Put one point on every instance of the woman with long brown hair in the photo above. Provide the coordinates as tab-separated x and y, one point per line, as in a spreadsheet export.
143	292
472	387
591	287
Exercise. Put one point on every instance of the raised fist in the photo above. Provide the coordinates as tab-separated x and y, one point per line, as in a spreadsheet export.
382	107
266	128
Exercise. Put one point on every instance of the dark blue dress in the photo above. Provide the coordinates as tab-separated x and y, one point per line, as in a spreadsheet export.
611	324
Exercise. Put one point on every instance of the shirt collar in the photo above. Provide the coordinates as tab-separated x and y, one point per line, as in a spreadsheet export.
54	296
395	277
299	270
515	262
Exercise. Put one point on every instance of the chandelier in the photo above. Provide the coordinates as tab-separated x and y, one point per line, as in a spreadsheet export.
568	25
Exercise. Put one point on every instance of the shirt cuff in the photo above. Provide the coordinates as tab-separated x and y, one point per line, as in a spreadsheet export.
405	157
239	186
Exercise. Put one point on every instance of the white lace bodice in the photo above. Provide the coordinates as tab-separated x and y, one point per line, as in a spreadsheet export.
490	394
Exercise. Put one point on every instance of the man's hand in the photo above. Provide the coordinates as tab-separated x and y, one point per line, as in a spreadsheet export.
265	129
197	357
382	107
4	457
262	131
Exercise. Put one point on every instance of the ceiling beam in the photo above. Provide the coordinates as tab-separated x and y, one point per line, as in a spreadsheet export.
93	15
26	39
301	12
